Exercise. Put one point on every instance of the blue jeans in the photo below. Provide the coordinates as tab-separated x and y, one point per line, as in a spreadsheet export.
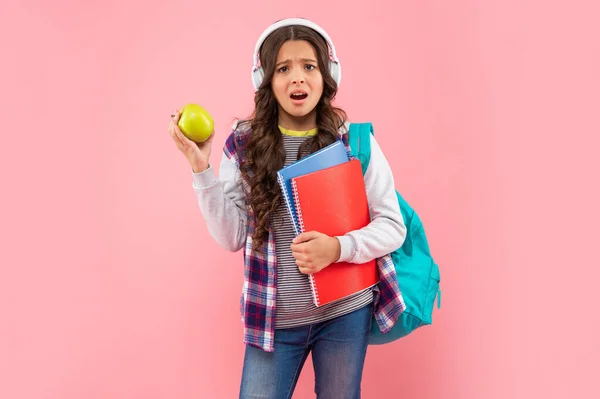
338	347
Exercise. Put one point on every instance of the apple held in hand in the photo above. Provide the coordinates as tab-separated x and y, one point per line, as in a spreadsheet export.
195	123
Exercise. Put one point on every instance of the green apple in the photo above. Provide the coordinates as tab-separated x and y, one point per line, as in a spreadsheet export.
195	123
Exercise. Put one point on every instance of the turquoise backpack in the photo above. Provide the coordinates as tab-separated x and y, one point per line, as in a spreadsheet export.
418	274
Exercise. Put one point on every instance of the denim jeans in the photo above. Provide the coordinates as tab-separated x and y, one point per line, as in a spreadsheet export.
338	349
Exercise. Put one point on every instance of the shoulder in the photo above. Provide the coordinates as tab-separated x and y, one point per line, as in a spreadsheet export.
240	131
236	142
343	134
344	129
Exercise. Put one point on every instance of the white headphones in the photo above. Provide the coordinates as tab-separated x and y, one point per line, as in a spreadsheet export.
335	69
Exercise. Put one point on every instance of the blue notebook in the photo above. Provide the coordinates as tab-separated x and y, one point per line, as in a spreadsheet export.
332	155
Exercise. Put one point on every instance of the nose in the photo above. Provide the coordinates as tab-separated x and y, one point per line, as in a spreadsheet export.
298	76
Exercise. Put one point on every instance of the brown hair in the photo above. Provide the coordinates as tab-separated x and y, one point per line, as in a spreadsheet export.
265	154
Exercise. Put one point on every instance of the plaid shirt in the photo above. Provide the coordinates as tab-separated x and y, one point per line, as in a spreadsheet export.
257	304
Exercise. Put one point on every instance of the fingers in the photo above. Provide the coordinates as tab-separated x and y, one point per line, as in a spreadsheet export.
298	250
306	236
303	267
210	138
303	262
306	268
299	238
184	141
302	245
301	257
180	145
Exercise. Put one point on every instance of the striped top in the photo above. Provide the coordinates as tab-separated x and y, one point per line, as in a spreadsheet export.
295	306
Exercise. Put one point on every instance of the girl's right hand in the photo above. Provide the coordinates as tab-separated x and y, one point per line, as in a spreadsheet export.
197	154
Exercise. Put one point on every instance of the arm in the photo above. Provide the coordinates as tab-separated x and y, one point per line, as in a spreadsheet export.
221	201
387	230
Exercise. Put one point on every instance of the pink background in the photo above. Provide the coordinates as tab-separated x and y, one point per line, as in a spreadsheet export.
110	285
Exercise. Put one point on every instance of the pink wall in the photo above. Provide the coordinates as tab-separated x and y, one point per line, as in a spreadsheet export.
110	285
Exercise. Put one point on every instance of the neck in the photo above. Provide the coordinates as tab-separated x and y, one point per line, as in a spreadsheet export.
297	123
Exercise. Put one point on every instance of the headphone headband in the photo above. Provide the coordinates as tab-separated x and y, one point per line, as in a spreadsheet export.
257	73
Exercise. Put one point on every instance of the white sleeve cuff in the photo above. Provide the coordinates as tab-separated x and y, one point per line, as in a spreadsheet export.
347	248
205	179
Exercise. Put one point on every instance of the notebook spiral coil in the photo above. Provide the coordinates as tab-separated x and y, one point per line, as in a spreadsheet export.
298	208
288	204
301	228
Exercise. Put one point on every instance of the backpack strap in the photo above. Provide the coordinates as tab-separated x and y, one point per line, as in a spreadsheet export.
360	142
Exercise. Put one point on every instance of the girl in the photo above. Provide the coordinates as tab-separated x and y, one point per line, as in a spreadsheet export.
296	84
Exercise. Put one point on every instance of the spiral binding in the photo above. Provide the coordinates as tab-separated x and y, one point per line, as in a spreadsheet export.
281	182
315	292
298	208
311	278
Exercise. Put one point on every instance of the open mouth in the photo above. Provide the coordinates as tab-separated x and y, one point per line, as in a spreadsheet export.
298	96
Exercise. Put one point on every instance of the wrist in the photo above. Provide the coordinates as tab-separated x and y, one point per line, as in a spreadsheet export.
337	252
198	168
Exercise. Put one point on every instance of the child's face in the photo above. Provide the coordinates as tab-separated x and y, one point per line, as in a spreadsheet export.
297	82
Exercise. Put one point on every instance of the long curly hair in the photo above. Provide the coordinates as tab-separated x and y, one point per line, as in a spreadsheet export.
265	153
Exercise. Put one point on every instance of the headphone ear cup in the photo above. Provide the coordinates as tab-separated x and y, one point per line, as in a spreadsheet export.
335	71
257	77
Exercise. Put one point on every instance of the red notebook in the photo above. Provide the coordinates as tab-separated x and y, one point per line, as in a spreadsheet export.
333	201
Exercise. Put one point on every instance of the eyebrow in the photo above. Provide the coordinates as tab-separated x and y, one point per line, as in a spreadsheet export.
303	60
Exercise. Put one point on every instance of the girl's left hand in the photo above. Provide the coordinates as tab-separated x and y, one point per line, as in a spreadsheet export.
315	251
